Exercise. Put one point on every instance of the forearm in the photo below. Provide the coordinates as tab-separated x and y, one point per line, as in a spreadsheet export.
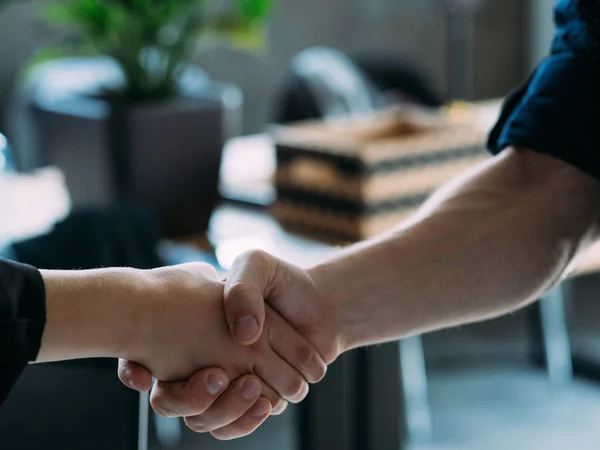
90	313
483	246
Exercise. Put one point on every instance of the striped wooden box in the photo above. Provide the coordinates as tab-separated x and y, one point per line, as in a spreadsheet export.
347	180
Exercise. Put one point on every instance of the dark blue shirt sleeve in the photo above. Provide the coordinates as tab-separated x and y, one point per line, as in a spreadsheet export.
557	111
22	320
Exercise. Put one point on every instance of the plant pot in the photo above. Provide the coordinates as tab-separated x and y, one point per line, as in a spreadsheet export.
166	155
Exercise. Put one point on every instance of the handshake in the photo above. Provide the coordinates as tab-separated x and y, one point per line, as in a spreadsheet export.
226	355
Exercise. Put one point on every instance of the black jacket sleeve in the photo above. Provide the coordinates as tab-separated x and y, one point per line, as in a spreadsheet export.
557	111
22	320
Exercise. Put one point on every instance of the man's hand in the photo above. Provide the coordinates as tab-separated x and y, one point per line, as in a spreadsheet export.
190	332
258	279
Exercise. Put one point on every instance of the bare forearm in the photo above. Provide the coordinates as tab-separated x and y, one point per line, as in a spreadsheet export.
483	246
90	313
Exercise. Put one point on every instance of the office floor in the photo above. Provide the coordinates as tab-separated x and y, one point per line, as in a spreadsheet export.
276	434
496	409
510	408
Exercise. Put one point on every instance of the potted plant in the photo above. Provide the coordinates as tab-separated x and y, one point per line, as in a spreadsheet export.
128	115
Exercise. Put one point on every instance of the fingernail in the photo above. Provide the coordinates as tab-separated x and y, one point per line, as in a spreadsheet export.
259	410
251	389
245	327
216	383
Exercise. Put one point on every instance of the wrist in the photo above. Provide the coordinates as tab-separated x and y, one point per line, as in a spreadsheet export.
92	314
140	296
332	292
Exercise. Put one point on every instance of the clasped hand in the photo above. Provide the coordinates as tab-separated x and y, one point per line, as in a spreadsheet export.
227	355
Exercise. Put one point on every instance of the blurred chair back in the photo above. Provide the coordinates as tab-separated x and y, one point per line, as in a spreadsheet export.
337	85
324	83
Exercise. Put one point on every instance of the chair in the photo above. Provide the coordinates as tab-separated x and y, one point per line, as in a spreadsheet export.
324	83
338	87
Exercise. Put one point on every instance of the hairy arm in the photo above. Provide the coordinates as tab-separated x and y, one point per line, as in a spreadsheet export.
485	245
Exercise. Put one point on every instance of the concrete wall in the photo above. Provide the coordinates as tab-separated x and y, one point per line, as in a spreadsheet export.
413	28
20	36
542	29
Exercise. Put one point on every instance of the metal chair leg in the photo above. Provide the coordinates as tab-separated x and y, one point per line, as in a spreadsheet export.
555	336
414	385
143	421
168	431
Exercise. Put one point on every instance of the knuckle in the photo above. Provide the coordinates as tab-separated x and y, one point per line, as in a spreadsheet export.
200	266
226	434
321	372
159	404
192	272
274	399
196	405
304	392
295	389
314	368
256	255
197	425
247	427
278	407
212	270
220	435
124	374
238	290
306	355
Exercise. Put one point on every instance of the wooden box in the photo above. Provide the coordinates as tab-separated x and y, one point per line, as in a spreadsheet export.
348	180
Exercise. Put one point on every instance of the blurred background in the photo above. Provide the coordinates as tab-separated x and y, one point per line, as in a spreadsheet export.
143	133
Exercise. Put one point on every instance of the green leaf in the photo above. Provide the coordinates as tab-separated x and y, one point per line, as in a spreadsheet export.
255	9
59	13
127	29
247	39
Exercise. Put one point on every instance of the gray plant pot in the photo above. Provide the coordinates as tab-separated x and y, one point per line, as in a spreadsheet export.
166	155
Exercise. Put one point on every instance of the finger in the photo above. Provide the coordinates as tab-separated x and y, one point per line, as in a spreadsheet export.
228	408
244	296
191	397
279	408
246	424
278	404
282	377
134	376
293	348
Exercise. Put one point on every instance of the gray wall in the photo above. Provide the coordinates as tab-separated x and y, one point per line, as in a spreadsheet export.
542	29
20	35
411	27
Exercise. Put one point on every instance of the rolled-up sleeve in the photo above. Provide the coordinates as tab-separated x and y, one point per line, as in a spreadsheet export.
22	320
557	111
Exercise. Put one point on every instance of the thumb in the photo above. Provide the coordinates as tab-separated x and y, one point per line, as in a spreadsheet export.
244	295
